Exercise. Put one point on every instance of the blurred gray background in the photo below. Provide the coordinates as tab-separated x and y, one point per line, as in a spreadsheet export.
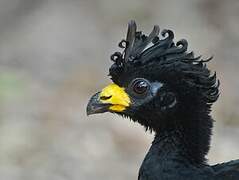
54	54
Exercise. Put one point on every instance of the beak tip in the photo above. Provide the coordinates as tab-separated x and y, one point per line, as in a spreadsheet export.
89	109
95	107
88	113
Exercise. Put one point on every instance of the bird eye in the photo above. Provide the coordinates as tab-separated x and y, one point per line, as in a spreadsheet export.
140	86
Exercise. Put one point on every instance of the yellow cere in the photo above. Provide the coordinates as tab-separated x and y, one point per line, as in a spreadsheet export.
118	97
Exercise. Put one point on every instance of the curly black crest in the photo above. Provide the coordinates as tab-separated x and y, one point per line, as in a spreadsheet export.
169	58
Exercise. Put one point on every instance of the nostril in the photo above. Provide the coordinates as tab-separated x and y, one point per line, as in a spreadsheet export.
105	97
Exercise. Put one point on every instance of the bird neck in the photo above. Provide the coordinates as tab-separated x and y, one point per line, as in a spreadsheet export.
187	137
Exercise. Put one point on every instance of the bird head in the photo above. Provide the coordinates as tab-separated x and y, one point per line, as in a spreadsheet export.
155	80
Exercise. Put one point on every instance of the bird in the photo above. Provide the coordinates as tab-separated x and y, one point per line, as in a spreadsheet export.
159	83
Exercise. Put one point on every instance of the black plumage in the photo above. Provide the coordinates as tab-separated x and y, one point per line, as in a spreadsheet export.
171	93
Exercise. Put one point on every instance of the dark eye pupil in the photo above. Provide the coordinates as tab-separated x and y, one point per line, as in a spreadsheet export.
140	87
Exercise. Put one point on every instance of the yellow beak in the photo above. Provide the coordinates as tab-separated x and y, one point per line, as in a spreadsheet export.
111	98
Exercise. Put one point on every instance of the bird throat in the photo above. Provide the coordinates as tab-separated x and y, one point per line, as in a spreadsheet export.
187	138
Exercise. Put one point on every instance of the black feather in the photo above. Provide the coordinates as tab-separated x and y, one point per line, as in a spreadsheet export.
183	131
